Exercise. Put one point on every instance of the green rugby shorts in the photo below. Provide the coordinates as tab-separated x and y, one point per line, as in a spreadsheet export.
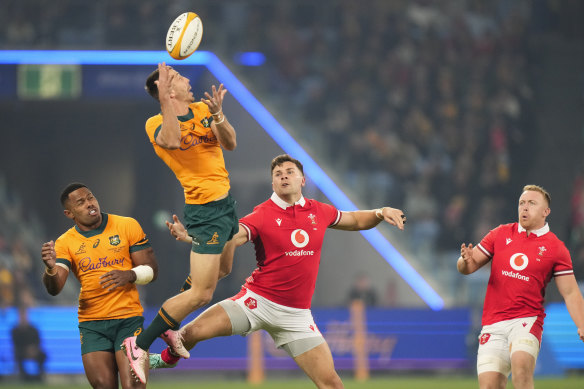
211	225
108	335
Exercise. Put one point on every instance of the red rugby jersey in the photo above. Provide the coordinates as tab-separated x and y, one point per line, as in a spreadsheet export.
521	268
288	241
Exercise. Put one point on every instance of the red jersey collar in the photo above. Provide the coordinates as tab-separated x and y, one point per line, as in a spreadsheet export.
542	231
282	204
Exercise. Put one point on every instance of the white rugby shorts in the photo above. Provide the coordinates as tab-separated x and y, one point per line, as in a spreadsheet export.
284	324
498	341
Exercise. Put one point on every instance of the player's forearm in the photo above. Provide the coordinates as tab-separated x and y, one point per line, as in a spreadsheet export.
226	134
169	136
575	305
53	281
368	219
359	220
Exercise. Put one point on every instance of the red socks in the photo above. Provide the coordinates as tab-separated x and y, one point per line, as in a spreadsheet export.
168	357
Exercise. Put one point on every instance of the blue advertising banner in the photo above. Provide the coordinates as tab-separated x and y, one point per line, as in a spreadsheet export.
405	339
397	339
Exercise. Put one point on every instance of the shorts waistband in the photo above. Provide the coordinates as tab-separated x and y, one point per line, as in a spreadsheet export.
225	200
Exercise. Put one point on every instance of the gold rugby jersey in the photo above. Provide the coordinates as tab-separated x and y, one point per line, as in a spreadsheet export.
198	163
90	254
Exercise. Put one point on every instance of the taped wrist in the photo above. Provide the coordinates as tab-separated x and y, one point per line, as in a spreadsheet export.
144	274
379	213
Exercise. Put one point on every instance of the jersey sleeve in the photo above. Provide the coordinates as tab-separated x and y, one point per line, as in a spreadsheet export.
63	254
251	224
332	215
563	264
136	237
153	126
487	245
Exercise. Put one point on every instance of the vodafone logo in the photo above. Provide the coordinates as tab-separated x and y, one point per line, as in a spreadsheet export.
518	261
299	238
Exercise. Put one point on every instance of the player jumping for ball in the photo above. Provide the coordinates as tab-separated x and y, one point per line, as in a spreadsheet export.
287	231
188	136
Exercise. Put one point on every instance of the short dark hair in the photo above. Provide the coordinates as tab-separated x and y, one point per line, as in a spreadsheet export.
151	86
72	187
280	159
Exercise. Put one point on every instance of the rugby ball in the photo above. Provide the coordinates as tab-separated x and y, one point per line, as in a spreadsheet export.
184	35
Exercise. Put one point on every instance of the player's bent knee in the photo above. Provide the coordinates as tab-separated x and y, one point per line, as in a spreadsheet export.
224	271
492	363
100	382
206	298
331	380
198	297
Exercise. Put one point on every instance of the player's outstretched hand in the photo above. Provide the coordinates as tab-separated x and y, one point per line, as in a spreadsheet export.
394	216
113	279
215	101
164	82
178	230
581	334
466	252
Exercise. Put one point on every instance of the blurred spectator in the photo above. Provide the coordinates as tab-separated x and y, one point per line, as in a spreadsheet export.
363	290
28	353
422	219
20	235
6	286
577	211
578	263
21	255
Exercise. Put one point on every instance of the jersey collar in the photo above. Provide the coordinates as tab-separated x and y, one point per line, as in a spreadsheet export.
542	231
187	117
282	204
97	231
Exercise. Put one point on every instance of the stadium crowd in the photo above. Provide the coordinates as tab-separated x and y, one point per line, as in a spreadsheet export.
426	105
20	235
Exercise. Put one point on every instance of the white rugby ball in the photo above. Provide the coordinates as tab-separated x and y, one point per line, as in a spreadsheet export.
184	35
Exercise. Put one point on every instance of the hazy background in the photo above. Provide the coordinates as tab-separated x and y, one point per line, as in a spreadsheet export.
444	109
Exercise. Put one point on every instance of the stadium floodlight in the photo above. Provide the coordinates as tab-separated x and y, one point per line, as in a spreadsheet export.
264	119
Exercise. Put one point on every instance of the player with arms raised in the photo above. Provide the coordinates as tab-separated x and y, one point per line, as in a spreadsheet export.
189	136
524	257
287	231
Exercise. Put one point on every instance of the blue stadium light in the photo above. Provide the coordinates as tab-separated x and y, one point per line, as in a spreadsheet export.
261	115
250	58
92	57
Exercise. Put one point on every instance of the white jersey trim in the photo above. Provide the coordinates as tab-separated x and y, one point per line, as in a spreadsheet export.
63	266
247	230
484	250
563	273
338	219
